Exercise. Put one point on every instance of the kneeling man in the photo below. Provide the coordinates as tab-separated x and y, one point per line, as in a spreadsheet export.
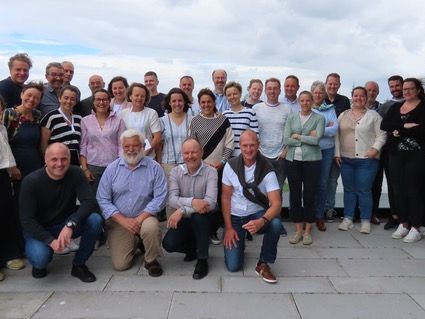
251	201
193	195
131	192
50	217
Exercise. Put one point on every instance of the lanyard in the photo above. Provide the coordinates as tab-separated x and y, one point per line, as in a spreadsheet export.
70	123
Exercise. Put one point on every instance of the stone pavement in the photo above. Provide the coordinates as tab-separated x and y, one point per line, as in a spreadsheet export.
342	275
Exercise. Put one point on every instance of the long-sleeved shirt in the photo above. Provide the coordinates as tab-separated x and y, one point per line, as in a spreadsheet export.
101	145
355	138
271	123
132	191
6	156
185	187
328	139
221	102
44	202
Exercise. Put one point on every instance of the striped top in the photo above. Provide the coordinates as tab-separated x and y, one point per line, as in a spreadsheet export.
63	132
215	135
241	121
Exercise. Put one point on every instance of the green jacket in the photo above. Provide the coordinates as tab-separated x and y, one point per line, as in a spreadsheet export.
309	144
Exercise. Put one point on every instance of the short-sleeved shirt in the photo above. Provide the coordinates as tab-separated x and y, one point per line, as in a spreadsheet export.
240	205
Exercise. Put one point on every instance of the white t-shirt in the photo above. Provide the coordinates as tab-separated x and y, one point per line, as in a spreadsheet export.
240	205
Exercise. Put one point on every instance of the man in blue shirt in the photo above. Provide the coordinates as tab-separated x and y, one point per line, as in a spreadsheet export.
132	191
219	78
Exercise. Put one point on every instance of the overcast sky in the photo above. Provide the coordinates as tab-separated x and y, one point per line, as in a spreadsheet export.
361	40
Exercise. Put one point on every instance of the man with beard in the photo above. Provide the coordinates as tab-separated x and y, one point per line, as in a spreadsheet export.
132	191
55	78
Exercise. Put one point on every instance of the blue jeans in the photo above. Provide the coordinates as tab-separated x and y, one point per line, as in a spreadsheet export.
325	170
40	254
357	177
190	237
332	185
234	257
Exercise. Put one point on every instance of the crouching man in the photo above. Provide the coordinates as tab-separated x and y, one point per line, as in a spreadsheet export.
251	201
50	217
193	195
131	192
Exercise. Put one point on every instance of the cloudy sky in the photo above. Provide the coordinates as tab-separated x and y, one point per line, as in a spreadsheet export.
361	40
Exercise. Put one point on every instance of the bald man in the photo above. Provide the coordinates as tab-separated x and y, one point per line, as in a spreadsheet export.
85	107
50	217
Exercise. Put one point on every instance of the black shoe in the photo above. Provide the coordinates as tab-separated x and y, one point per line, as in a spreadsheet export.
248	236
83	273
201	269
39	272
189	256
391	223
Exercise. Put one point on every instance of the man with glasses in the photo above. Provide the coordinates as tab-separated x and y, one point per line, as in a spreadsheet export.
54	77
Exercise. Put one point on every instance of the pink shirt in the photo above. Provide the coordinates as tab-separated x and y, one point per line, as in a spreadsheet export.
101	146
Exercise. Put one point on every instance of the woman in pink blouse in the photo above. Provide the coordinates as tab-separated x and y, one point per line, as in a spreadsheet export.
100	135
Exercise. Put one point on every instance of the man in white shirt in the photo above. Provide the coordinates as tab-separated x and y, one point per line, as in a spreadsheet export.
290	88
251	201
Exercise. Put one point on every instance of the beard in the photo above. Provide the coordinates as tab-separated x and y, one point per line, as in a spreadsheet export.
133	159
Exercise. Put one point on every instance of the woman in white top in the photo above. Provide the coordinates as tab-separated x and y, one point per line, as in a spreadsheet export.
175	128
117	88
142	118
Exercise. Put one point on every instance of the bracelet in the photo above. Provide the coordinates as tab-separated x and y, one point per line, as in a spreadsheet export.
85	169
223	161
266	221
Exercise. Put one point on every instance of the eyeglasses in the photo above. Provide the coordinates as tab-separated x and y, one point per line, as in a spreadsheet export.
56	75
101	100
409	89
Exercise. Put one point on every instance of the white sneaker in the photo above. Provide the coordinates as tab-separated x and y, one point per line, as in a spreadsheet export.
73	246
365	227
413	236
400	232
346	224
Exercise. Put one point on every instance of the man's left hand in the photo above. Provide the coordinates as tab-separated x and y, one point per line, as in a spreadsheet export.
253	226
175	218
65	237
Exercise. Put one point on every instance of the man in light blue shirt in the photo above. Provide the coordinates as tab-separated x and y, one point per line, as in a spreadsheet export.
290	88
132	190
219	78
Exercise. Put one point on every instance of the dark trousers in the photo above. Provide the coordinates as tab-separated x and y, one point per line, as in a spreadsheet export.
216	215
9	232
303	180
407	171
377	184
190	237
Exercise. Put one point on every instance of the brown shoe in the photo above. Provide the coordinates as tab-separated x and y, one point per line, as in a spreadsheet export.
263	270
154	268
320	223
375	220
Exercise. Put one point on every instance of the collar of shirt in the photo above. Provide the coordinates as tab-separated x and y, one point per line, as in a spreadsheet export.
198	172
142	162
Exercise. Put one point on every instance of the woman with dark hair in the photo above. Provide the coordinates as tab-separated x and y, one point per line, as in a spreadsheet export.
62	125
142	118
175	128
303	131
405	124
213	130
357	145
117	88
100	136
22	123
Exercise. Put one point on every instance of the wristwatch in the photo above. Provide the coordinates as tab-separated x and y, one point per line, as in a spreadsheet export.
71	224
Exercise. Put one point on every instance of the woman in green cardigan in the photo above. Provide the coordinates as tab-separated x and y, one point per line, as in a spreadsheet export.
303	131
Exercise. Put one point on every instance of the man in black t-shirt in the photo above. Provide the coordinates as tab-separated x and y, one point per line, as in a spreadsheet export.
50	217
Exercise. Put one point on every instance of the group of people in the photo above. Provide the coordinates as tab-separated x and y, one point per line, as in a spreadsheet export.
116	164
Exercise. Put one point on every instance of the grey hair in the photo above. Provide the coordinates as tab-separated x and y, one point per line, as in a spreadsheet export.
318	84
132	133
